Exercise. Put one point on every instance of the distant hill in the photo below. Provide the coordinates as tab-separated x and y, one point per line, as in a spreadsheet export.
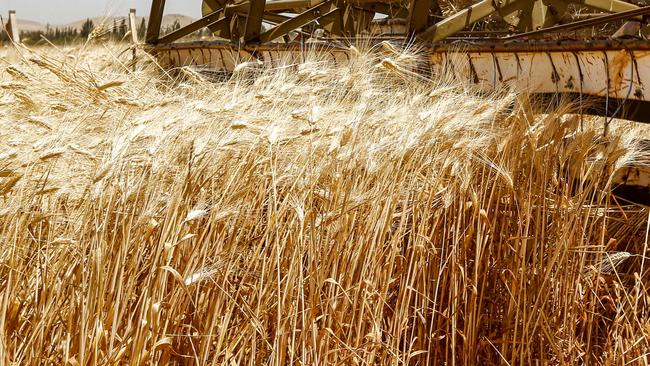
30	26
168	20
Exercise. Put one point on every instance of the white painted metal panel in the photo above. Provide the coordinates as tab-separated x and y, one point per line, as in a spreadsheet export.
619	74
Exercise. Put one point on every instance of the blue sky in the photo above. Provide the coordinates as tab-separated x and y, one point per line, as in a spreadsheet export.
65	11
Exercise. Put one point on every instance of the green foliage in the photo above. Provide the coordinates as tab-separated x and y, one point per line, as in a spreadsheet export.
86	28
55	35
119	29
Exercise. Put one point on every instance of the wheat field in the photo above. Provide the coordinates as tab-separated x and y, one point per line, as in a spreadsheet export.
311	214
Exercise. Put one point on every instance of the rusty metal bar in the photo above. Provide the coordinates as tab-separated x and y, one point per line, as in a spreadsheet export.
254	20
213	19
586	22
155	21
495	45
419	15
461	20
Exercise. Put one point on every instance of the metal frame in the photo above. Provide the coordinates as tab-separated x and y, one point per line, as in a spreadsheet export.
419	15
134	38
133	26
254	19
628	14
609	78
318	12
484	8
211	20
241	23
568	68
155	21
12	27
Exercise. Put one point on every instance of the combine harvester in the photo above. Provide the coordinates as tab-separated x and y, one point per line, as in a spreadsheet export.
593	50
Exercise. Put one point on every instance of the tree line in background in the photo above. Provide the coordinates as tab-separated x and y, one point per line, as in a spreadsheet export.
117	31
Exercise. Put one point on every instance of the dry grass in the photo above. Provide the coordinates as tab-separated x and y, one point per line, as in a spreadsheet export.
314	214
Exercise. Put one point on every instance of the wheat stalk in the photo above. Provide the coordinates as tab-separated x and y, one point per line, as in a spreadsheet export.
306	213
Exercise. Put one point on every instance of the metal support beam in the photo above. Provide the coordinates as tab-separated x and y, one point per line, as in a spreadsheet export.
134	38
212	20
155	21
134	27
333	22
419	13
298	21
482	9
254	20
461	20
12	27
634	13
